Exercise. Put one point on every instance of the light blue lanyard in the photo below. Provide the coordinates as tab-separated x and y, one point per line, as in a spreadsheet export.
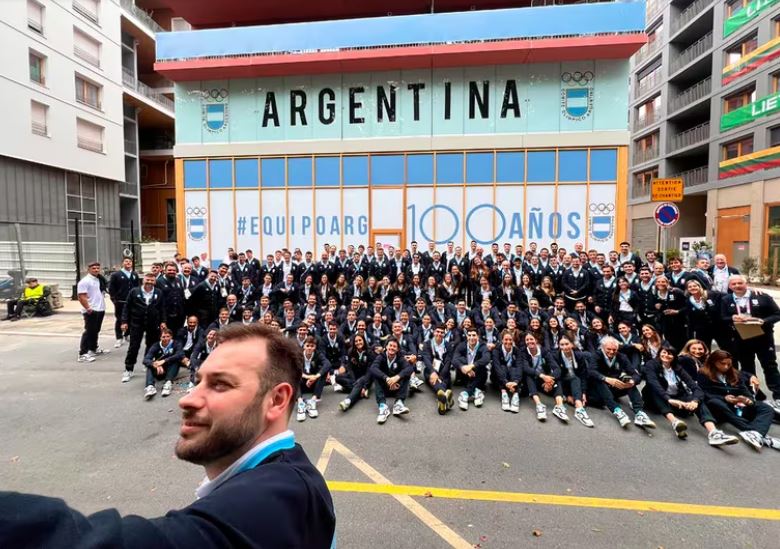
286	443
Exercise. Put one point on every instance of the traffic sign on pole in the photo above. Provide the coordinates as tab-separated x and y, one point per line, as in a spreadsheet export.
666	214
666	190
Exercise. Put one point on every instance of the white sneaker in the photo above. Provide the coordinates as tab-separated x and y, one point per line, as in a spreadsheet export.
479	398
100	351
416	383
560	413
680	428
772	442
753	438
167	388
149	392
118	343
337	388
541	412
719	438
641	419
345	404
514	404
622	417
126	376
86	358
301	411
311	408
384	413
775	404
582	415
399	408
504	401
463	401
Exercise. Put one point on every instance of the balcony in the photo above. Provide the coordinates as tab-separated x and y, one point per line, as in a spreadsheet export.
639	190
128	188
690	95
692	136
647	51
647	120
645	155
142	16
654	8
130	147
688	14
693	177
698	48
130	81
647	83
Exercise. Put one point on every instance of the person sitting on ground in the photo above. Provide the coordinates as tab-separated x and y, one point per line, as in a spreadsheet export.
203	349
316	368
162	361
34	301
188	337
575	369
673	393
470	361
353	375
391	374
730	401
436	356
542	375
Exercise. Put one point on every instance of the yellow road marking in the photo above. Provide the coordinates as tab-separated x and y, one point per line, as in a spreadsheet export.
444	531
398	490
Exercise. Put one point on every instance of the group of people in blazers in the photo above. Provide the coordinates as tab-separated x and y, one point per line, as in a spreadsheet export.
577	329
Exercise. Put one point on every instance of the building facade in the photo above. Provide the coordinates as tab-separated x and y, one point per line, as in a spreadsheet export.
704	107
81	96
486	125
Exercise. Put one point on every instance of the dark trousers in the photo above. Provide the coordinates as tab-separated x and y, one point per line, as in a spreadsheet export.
757	417
763	349
169	374
473	383
382	391
317	388
93	322
655	403
535	386
442	384
572	387
137	333
14	307
119	306
601	394
352	385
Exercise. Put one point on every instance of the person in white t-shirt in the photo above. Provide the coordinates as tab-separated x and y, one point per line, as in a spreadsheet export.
93	309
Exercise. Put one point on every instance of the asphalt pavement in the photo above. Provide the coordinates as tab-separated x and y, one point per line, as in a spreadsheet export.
75	431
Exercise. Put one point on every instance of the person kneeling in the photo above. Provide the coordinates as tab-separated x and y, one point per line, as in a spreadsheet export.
391	374
672	392
162	361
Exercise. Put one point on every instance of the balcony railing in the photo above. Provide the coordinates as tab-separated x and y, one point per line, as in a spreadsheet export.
89	144
130	146
129	80
646	51
84	55
645	155
690	53
688	14
647	120
689	137
141	15
653	8
640	190
699	90
128	188
693	177
647	83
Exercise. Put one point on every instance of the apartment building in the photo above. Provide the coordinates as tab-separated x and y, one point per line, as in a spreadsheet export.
88	124
704	107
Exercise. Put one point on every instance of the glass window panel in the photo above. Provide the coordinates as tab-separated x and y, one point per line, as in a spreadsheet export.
387	169
572	165
510	167
194	174
299	172
603	165
479	167
449	168
272	172
247	172
541	166
326	171
419	169
355	170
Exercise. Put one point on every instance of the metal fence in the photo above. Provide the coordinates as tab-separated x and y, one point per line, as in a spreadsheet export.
52	263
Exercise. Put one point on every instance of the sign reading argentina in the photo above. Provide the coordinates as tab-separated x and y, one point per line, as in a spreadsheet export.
544	97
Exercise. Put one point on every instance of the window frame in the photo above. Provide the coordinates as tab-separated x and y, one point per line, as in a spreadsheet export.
81	9
42	9
44	132
743	51
98	92
740	144
86	56
79	141
746	93
770	131
729	7
41	66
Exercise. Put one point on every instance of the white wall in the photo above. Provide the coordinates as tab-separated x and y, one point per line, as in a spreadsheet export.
59	148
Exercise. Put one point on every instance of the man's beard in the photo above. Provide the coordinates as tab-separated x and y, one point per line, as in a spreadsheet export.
222	439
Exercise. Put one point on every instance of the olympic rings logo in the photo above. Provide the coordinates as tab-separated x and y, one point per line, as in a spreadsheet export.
602	208
216	94
196	211
581	78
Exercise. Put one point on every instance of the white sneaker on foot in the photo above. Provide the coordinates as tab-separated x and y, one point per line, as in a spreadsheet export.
399	408
772	442
541	412
300	414
641	419
126	376
99	351
504	401
118	343
622	417
560	413
514	404
582	415
345	404
149	392
680	428
479	398
463	401
311	408
384	413
753	438
86	358
167	389
337	388
719	438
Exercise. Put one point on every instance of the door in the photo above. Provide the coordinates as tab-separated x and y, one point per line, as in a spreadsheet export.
733	228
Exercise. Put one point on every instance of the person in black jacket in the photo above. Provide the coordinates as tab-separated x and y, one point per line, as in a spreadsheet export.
576	283
670	307
731	401
471	361
671	392
542	375
143	314
119	285
507	372
207	299
436	356
611	377
162	361
259	480
353	376
745	306
173	297
203	349
391	374
575	369
702	314
316	368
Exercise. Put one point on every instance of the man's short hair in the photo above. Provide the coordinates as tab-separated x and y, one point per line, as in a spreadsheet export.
93	264
284	359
